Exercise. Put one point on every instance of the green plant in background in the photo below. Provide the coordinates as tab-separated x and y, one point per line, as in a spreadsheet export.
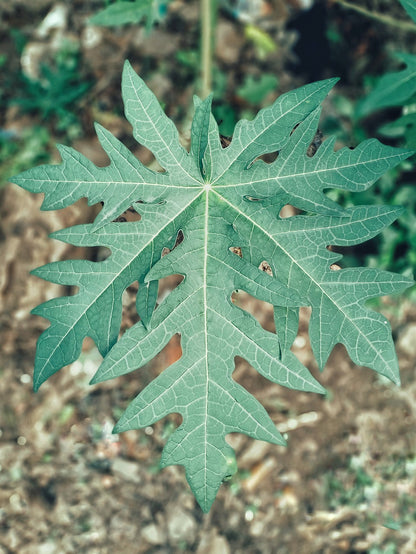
222	201
396	89
254	91
395	249
123	13
56	92
262	41
19	152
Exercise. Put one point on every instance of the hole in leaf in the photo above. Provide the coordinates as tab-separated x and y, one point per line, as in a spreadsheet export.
167	285
260	310
288	211
315	144
248	198
265	266
236	250
225	141
129	215
179	239
269	158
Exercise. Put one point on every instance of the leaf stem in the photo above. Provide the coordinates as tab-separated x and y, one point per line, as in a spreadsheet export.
208	8
403	25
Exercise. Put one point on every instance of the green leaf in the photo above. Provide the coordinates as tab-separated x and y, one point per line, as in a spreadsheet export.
254	90
393	89
410	7
199	130
404	126
222	200
122	13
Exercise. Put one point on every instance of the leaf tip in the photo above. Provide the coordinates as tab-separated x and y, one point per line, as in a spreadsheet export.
121	426
320	389
205	507
128	72
96	378
329	84
116	429
15	179
37	310
57	234
127	65
396	380
407	153
99	128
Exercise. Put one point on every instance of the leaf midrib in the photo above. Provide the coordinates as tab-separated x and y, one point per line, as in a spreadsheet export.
278	177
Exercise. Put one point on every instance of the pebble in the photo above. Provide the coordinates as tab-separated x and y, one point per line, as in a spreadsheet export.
213	543
47	548
407	340
153	534
181	527
127	470
256	452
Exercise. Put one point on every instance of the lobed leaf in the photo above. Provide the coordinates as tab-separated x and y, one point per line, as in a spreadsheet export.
223	201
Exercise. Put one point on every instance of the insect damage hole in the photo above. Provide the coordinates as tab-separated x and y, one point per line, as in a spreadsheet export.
170	282
288	211
129	215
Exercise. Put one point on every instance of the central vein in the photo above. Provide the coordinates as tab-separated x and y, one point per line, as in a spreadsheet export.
206	231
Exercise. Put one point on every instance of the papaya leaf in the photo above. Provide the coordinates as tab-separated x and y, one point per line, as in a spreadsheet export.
225	202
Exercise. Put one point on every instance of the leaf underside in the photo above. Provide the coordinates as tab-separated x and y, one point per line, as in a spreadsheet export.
220	198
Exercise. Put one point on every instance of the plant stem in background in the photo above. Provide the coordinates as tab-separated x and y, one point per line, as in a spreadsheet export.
208	8
403	25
